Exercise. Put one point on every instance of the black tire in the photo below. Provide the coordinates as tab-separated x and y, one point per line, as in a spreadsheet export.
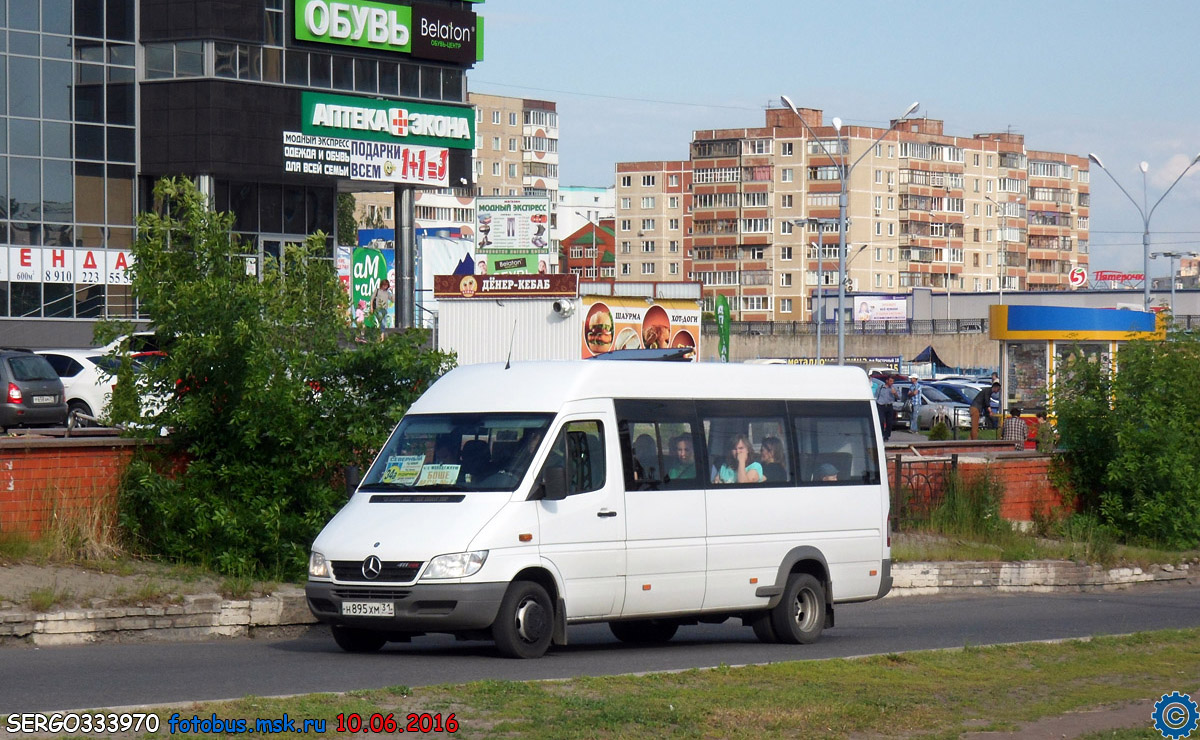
799	616
354	640
525	623
763	629
83	408
643	631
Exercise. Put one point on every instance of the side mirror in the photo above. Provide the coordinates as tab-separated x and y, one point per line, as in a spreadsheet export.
554	484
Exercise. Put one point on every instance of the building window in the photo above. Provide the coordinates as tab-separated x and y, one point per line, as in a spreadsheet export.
648	246
673	224
785	201
785	254
626	224
512	169
626	204
496	169
673	181
626	181
512	144
648	202
648	181
512	119
648	268
673	268
672	246
785	148
785	175
673	203
785	305
647	224
626	247
496	117
625	268
785	279
785	227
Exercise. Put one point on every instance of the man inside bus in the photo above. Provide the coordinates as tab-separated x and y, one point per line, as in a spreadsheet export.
684	464
827	472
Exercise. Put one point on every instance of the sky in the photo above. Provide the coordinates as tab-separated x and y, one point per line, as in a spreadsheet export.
632	79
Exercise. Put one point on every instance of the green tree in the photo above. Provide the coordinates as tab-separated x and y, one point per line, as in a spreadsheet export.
347	225
1132	438
264	397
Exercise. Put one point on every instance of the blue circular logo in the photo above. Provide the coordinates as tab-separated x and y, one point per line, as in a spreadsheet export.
1175	715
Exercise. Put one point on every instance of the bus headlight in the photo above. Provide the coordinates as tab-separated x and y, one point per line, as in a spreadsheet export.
456	565
318	566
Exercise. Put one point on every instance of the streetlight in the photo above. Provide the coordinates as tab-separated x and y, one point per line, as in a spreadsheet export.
595	246
817	301
1145	214
844	175
1173	256
1002	255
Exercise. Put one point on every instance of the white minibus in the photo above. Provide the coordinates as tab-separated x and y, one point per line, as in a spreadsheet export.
513	501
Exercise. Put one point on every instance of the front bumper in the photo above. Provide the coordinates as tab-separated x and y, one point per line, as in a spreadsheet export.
450	607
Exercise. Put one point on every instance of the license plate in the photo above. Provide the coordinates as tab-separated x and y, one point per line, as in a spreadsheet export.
43	399
368	609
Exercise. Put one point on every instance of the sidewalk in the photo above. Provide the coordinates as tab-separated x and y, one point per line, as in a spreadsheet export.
205	616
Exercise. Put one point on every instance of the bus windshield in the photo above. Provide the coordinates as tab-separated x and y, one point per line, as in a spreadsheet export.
457	452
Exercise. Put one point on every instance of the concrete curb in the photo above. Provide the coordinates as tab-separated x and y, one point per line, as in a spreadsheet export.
207	616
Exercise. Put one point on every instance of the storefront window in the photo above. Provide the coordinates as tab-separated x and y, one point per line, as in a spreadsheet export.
1025	384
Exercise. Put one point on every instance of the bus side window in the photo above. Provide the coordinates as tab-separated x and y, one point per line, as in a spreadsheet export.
579	450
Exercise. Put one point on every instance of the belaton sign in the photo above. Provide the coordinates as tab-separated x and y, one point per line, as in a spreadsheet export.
387	121
423	31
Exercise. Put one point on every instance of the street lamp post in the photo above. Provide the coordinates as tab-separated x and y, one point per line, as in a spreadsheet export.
1173	257
1002	255
843	197
1145	214
817	304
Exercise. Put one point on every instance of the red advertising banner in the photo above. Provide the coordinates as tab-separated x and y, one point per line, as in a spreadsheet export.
502	286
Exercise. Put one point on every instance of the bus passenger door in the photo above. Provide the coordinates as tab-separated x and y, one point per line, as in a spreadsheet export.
664	500
583	534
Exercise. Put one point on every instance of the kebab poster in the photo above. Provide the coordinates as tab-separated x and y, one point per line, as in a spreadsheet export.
630	323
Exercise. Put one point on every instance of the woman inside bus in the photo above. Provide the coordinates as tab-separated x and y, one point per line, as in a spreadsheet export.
740	466
771	456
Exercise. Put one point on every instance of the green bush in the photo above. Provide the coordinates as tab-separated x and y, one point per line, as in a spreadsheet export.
970	507
939	431
1130	440
264	395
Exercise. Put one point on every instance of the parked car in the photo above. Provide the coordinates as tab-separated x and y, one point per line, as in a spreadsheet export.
87	376
935	405
33	392
953	391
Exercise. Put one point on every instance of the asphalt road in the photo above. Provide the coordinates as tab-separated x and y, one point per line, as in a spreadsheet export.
101	676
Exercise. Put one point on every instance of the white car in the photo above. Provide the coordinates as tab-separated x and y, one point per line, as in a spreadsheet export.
87	376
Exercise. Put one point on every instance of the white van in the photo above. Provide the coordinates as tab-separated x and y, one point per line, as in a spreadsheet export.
512	502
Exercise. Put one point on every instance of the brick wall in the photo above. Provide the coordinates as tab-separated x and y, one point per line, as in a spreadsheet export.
43	478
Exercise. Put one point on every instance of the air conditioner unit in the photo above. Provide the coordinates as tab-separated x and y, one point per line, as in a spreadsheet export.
877	213
890	187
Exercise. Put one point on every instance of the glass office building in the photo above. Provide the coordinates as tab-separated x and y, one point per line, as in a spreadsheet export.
99	98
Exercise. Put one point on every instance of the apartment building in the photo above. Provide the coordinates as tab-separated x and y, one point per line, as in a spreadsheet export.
924	209
589	251
654	203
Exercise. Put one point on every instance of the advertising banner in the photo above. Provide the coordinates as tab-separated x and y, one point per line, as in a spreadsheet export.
505	263
65	265
365	160
612	322
369	268
880	309
423	31
389	121
722	311
513	225
490	286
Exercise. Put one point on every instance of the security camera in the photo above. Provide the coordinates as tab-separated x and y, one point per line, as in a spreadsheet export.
564	307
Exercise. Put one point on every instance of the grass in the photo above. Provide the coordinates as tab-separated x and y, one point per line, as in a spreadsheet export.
939	694
46	598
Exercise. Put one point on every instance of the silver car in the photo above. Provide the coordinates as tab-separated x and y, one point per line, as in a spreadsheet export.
936	405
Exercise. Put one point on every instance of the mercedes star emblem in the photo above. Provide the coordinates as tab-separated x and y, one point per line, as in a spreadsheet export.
371	568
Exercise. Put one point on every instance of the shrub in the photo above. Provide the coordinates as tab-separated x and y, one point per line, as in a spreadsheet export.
970	506
265	395
939	431
1130	439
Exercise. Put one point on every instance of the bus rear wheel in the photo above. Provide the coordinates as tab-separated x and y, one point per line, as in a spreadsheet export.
799	616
